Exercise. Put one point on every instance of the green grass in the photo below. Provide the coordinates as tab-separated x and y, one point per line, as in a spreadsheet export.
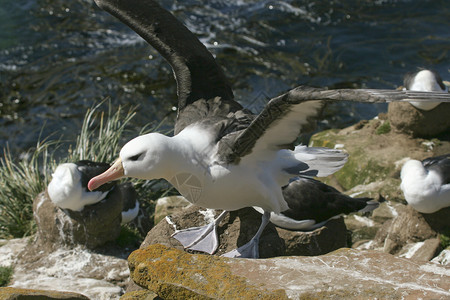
5	275
99	140
384	128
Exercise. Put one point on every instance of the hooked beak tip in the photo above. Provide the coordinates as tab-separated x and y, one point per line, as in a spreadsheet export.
113	173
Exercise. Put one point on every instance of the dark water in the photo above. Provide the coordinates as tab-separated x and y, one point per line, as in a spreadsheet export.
58	58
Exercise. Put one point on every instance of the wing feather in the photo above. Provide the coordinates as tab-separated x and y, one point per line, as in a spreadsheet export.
285	117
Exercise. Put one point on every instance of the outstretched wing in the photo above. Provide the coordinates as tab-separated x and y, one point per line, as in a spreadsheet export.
284	117
196	71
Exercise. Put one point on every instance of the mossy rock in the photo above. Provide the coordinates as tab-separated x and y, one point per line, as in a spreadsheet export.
376	155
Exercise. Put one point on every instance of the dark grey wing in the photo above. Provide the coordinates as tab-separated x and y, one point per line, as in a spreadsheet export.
285	116
208	112
196	71
310	199
440	164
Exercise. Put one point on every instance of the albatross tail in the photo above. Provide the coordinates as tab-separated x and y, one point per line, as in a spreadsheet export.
321	161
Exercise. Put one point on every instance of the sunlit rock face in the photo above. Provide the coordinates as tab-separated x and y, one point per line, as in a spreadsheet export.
342	274
91	227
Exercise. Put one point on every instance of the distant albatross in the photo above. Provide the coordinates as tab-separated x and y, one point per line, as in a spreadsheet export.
426	183
427	81
222	156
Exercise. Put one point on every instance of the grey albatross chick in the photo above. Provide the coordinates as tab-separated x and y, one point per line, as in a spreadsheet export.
222	156
426	183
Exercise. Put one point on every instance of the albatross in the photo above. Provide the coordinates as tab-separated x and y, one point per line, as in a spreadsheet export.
426	184
424	80
223	156
68	188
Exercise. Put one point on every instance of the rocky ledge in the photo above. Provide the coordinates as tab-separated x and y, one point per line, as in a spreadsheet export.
342	274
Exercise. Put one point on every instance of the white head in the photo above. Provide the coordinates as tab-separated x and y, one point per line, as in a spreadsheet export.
425	81
412	169
144	157
65	188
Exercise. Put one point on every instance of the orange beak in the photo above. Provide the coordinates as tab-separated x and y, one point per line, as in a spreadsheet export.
113	173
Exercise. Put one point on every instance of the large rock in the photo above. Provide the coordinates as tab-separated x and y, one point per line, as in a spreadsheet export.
7	293
375	157
407	119
168	206
408	227
240	226
343	274
96	275
92	227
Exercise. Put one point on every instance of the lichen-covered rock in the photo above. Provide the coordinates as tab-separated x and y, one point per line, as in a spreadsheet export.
8	293
92	227
343	274
140	295
407	119
239	227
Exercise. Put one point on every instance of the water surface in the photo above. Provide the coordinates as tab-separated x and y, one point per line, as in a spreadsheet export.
59	58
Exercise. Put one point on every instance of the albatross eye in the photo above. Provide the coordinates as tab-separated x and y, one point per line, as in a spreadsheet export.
135	157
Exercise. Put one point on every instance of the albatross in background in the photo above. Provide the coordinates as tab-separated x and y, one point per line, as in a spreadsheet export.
426	183
222	156
427	81
68	188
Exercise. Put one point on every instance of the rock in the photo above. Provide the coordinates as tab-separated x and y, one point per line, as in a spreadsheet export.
98	276
443	258
169	205
407	119
140	295
240	226
408	227
92	227
386	211
343	274
8	293
375	160
9	250
422	251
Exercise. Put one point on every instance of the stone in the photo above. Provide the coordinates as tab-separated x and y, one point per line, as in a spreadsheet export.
342	274
140	295
8	293
407	119
421	251
92	227
169	205
408	227
375	160
443	258
95	275
239	227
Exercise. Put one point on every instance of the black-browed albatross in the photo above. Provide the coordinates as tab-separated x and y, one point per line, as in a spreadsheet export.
68	188
222	156
426	183
427	81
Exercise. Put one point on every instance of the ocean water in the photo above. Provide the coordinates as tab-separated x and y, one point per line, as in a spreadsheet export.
59	58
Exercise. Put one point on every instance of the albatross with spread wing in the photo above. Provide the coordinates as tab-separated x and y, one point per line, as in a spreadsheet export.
222	156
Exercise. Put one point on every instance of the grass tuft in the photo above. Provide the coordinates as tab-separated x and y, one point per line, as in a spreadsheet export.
5	275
